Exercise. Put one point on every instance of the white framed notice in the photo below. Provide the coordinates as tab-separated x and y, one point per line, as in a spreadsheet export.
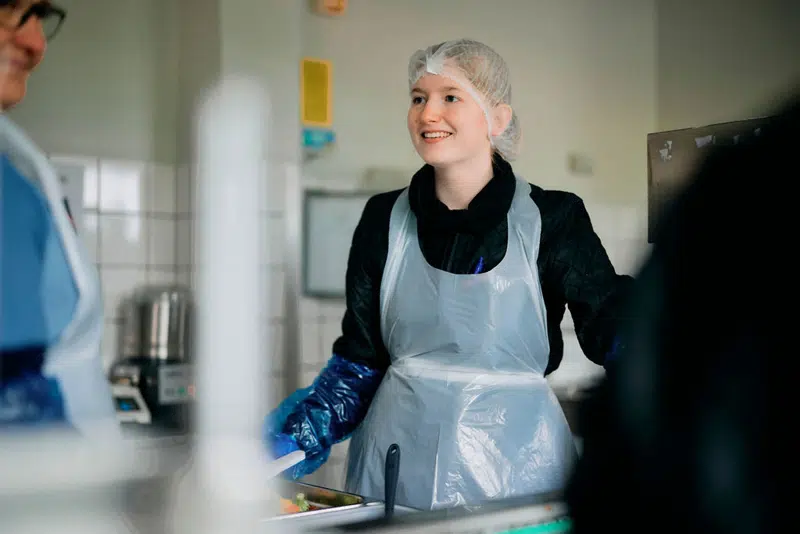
329	221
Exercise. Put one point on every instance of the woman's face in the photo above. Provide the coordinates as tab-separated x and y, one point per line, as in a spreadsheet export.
447	125
21	51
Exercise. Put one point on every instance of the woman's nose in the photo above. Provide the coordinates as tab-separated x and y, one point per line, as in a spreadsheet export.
30	36
430	113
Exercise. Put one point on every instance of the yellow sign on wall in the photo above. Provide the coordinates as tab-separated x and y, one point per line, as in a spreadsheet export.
316	101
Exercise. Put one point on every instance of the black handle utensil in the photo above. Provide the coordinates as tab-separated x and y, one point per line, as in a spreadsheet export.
391	474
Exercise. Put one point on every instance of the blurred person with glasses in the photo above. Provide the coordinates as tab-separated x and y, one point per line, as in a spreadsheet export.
25	29
51	317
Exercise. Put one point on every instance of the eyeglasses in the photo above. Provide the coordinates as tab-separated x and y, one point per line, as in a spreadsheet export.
14	14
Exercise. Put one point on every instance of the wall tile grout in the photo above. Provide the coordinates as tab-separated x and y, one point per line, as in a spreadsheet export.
157	215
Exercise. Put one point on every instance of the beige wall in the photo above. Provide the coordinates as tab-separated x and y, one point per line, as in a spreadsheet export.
109	84
722	60
583	77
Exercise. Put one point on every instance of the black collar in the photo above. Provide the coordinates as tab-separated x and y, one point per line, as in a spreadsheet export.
485	211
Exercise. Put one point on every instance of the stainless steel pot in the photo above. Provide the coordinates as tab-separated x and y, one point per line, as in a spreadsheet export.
158	324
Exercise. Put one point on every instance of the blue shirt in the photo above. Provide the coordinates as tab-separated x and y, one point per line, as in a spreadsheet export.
38	297
38	294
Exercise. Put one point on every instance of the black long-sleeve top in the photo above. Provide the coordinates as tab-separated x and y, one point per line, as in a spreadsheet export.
574	269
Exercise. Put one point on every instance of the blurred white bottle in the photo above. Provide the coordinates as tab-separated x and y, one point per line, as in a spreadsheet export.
232	367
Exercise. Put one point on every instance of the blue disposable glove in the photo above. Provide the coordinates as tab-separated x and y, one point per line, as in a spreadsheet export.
281	444
31	400
318	417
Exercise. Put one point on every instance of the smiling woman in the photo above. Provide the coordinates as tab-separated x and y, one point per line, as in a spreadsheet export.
461	116
456	289
51	319
25	28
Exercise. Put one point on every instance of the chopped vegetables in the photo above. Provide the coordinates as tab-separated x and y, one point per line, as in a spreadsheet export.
296	505
301	501
288	507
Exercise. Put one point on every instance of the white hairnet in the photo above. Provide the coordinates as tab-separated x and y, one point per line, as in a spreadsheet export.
482	72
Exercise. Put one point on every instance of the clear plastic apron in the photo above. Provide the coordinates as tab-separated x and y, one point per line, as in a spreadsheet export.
75	360
465	397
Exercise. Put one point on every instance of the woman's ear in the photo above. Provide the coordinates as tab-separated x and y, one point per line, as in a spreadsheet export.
501	118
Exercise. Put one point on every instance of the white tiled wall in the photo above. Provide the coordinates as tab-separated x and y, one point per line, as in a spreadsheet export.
129	227
273	266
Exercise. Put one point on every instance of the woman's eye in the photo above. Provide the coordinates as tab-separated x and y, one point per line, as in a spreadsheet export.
417	100
451	99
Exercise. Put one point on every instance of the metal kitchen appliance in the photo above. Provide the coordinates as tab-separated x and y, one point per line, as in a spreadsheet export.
152	380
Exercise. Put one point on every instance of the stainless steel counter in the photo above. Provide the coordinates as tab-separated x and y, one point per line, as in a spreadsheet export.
529	515
138	487
350	513
336	508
